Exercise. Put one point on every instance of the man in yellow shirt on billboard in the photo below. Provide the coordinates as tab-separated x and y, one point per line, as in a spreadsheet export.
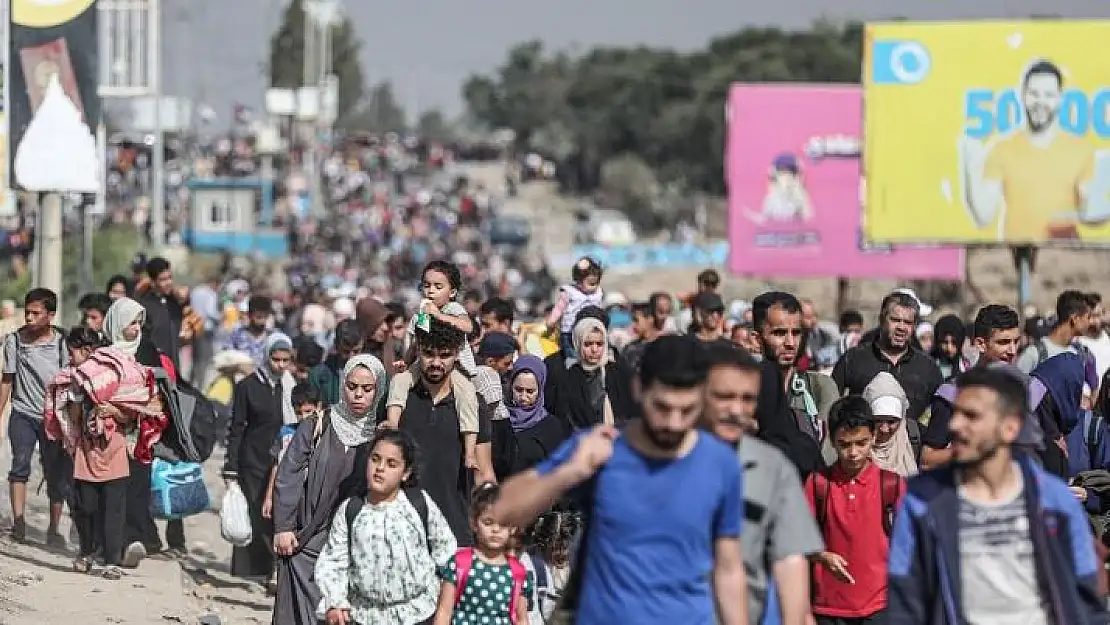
1036	177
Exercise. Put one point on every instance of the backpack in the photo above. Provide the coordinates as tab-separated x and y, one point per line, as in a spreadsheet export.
59	335
543	584
197	425
415	496
890	487
913	431
1082	350
464	561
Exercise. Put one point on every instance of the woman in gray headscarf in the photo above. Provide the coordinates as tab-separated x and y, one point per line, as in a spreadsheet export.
309	485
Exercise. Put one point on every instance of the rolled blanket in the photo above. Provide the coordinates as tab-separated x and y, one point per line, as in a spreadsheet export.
113	378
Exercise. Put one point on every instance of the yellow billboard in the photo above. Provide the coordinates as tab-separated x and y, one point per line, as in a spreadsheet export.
987	132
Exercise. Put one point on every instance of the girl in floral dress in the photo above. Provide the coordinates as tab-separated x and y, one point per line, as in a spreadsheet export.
379	564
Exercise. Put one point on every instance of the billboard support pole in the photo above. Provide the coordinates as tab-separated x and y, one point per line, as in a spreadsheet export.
1024	256
842	288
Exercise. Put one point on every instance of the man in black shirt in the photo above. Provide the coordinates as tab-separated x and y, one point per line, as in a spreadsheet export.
163	311
997	332
892	351
431	418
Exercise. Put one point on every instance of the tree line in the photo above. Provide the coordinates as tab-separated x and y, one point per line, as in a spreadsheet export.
644	117
645	111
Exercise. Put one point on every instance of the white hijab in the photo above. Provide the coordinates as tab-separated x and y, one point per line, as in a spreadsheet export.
123	312
274	342
351	427
888	399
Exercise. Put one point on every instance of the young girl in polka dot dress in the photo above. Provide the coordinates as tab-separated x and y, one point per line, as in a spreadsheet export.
485	584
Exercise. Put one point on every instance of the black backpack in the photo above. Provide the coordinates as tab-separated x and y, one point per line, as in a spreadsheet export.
207	427
196	426
415	496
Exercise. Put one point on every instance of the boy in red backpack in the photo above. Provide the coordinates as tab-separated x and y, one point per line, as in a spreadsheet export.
854	502
485	584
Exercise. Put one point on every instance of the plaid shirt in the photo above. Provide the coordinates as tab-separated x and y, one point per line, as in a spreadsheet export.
488	384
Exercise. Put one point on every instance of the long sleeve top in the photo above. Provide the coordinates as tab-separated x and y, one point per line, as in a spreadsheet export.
256	419
387	575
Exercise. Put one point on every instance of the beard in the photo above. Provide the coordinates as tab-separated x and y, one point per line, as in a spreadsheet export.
667	440
1038	125
985	451
434	375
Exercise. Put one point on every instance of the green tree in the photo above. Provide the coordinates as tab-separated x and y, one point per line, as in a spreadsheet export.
666	108
379	112
287	57
113	249
434	126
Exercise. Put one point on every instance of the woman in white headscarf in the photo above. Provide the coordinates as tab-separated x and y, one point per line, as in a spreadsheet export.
892	450
122	418
310	484
597	388
260	407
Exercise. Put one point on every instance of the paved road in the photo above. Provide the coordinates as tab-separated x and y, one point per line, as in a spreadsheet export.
552	220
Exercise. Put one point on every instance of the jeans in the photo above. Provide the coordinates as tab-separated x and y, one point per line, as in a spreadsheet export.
57	467
566	344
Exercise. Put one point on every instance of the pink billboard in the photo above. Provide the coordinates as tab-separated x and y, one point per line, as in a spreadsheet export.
792	160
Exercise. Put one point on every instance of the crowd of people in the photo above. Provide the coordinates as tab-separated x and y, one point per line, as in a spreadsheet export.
451	461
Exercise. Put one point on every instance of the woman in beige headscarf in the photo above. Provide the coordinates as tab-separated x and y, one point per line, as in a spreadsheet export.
597	388
892	450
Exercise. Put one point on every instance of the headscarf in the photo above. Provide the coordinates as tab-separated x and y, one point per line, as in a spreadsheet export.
578	336
343	308
949	325
278	341
1063	377
371	313
596	389
887	398
524	418
121	314
354	429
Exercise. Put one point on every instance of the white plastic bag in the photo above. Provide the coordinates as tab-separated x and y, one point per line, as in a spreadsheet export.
235	518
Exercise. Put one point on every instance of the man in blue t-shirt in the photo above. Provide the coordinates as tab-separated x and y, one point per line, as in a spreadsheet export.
664	504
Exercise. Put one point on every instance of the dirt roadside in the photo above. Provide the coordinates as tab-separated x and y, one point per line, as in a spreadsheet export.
38	586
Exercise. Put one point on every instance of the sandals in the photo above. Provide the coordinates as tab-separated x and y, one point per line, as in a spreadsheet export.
86	566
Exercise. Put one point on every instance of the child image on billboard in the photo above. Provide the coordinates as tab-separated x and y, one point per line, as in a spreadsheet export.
787	199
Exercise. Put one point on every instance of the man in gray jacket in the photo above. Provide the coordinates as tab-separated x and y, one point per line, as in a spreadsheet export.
779	530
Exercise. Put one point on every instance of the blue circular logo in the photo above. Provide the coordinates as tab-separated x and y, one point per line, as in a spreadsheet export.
909	62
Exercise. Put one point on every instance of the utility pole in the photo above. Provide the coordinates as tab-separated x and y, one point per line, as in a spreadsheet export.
157	163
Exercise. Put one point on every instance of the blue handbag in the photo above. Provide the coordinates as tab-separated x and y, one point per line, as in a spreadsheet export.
177	489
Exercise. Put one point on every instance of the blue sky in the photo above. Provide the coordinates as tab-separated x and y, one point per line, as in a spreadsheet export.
215	50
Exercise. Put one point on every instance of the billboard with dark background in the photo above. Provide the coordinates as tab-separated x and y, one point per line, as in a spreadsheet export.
49	37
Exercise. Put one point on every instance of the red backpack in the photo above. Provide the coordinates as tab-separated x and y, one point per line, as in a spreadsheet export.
464	561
